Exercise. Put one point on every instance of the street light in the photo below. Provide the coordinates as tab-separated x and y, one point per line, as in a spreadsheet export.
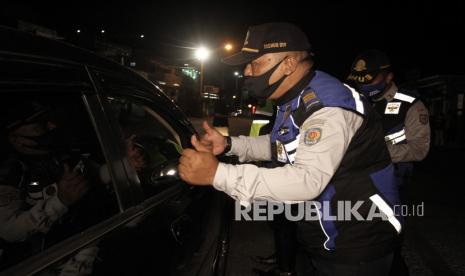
228	47
202	53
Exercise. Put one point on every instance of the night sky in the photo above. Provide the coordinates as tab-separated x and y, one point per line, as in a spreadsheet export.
422	38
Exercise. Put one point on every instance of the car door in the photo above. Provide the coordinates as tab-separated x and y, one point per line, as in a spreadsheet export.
53	95
184	231
123	228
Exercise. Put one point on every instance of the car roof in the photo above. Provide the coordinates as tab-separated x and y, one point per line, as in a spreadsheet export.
17	43
21	43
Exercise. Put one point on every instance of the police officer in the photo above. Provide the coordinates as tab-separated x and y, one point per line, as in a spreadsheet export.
405	118
331	144
405	121
34	192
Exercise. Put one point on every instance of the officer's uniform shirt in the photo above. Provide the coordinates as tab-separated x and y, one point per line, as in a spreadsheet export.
312	167
20	215
410	143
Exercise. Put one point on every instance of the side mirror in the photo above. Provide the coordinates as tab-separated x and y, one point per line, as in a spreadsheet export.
166	172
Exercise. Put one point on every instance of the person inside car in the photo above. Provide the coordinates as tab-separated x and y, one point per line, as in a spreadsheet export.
36	190
152	158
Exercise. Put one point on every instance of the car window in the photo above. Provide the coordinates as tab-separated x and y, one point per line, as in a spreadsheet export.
154	146
54	181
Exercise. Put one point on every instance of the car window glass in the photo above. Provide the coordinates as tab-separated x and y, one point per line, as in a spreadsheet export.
53	176
154	146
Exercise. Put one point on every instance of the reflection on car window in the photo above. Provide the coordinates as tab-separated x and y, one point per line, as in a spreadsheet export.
50	167
153	145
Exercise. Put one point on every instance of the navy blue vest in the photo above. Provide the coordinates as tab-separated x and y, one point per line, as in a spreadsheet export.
393	115
365	174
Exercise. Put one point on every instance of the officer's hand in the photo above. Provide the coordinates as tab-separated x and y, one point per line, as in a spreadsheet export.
213	139
197	168
201	146
71	187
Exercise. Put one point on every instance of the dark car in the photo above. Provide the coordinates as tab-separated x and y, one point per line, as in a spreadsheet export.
133	220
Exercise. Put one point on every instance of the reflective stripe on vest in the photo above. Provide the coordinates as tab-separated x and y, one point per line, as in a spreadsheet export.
396	137
358	102
403	97
387	210
291	149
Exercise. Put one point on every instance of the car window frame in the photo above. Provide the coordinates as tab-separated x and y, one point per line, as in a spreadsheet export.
93	104
139	95
37	262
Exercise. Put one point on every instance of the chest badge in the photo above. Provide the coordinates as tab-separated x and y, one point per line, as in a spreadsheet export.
392	108
281	152
283	131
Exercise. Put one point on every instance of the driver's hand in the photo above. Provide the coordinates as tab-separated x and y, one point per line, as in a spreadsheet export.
71	187
212	141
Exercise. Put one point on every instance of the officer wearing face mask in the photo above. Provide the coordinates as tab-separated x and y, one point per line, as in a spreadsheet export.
330	144
405	122
35	189
405	118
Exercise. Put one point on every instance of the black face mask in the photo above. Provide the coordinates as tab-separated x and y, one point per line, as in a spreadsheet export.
259	87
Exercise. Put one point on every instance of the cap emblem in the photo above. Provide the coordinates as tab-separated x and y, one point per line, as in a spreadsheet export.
360	65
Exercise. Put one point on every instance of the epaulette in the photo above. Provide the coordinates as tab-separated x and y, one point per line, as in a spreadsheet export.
309	103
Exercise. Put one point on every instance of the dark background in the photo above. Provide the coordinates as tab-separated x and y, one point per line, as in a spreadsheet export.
422	38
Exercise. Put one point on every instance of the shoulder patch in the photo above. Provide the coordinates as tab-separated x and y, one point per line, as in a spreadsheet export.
312	136
310	99
424	119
